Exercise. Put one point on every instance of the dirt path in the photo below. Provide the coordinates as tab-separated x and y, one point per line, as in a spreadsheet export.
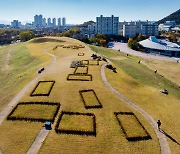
124	48
38	141
162	139
13	102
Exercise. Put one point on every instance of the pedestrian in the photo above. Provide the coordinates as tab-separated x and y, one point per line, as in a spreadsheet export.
159	124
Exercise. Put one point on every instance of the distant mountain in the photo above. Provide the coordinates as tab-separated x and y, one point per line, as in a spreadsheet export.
174	16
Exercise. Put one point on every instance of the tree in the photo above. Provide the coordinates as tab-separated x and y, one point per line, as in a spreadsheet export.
26	35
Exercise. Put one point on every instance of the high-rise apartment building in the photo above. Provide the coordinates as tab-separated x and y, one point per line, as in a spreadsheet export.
107	25
38	21
15	24
44	22
59	21
63	21
49	22
54	22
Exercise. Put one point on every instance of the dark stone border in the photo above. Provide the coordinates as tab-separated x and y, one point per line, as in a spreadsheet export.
79	75
88	63
87	106
10	117
80	54
76	132
53	82
137	138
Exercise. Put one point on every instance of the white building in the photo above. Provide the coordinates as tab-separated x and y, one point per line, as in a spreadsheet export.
64	21
161	47
59	21
130	29
92	29
107	25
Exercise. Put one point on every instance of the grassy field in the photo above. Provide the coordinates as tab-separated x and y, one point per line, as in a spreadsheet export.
141	85
109	136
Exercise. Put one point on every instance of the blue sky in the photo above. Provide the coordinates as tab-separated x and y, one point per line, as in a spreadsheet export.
78	11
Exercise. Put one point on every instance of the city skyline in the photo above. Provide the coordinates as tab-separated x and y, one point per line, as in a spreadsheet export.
82	10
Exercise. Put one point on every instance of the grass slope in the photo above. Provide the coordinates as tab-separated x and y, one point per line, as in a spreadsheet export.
141	85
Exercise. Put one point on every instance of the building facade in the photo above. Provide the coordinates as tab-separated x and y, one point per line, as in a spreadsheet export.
54	22
107	25
59	21
63	21
15	24
130	29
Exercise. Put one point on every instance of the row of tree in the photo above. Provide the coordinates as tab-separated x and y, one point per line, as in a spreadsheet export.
133	42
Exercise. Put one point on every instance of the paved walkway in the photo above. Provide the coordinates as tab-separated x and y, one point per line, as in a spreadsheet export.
124	48
38	141
13	102
162	139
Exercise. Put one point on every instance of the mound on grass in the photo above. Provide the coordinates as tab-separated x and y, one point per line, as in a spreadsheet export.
43	40
34	111
76	123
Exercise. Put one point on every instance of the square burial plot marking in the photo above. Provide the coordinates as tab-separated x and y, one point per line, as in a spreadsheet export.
43	88
90	99
90	62
79	77
81	54
131	126
81	70
76	123
34	111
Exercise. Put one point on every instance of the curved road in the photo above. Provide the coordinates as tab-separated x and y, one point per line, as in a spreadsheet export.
162	139
13	102
123	47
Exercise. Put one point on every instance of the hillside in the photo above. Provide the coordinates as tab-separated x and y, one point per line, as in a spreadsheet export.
174	16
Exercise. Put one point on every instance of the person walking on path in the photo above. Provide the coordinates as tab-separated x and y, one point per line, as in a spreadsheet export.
159	124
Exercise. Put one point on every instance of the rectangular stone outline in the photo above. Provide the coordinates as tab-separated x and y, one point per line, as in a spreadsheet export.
81	73
10	117
88	63
87	106
80	54
76	132
136	138
32	95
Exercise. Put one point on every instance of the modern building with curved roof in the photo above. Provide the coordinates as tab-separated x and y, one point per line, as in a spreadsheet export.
162	47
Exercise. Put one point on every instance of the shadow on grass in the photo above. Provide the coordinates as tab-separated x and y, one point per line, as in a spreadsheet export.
170	137
43	40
